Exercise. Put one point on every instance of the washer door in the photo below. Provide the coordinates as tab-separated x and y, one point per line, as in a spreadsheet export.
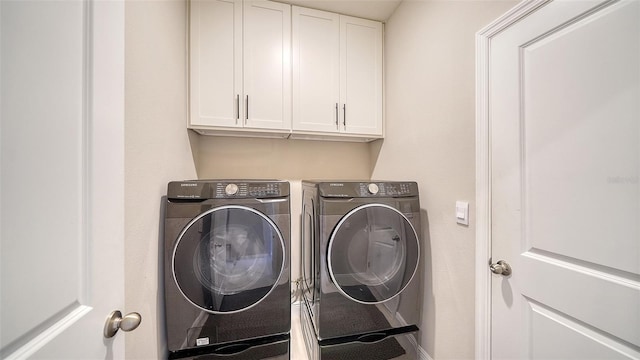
228	259
373	253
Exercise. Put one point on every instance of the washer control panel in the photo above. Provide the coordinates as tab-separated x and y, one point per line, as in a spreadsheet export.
248	190
226	189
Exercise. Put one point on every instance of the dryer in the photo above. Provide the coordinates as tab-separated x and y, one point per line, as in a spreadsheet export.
226	268
360	256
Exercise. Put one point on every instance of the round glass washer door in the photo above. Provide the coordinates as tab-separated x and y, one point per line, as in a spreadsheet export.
373	253
228	259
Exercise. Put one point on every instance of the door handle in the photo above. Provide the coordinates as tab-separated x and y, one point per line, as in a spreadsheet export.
116	322
501	268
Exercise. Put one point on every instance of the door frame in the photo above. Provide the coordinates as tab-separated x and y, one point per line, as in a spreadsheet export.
483	170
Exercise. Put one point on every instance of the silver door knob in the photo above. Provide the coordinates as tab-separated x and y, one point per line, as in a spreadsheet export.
115	322
501	268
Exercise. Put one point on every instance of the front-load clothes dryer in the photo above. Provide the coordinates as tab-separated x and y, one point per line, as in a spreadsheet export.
360	256
226	265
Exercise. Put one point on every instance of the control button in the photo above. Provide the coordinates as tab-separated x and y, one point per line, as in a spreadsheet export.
231	189
372	188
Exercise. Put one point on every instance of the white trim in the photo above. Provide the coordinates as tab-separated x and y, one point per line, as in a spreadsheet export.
483	171
423	355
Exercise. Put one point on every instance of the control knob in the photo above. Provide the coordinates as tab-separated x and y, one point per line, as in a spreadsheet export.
372	188
231	189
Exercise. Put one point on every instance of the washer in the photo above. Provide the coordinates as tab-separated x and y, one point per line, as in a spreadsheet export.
226	268
360	256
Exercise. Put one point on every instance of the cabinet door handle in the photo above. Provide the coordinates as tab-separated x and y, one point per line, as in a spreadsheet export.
337	117
344	114
237	108
246	113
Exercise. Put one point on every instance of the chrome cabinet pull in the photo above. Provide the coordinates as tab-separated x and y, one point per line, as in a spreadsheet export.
237	107
337	116
344	115
246	114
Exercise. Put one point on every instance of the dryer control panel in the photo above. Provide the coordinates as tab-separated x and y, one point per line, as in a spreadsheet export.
362	189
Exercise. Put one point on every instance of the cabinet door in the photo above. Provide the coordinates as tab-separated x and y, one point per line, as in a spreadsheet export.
267	65
316	70
361	75
215	63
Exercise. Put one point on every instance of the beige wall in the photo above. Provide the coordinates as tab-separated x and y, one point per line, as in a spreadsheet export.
429	138
157	150
430	124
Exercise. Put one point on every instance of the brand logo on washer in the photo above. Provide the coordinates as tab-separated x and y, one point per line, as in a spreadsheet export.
336	184
183	185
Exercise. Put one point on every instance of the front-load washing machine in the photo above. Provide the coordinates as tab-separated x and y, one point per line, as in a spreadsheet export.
226	268
360	256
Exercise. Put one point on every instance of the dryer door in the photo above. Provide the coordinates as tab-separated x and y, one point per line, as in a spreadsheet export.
373	253
228	259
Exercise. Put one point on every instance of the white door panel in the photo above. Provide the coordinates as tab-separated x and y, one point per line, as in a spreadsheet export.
28	93
559	337
565	196
61	190
581	136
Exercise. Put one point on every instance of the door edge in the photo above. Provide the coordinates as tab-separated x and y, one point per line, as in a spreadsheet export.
483	171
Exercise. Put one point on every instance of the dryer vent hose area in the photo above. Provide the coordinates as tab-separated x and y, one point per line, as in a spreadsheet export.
296	291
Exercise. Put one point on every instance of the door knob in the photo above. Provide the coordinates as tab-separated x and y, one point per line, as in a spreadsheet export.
501	268
115	322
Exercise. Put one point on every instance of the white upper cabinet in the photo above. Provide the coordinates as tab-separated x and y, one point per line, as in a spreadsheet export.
316	70
361	75
337	75
240	70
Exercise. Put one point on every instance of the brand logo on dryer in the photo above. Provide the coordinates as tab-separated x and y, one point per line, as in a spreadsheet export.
191	185
336	184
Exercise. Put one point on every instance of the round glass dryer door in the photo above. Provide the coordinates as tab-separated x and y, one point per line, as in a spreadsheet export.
228	259
373	253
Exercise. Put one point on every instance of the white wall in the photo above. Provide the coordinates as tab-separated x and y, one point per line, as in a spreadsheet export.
430	124
157	150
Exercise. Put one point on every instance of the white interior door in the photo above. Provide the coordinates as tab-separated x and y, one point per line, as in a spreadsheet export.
564	111
61	189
